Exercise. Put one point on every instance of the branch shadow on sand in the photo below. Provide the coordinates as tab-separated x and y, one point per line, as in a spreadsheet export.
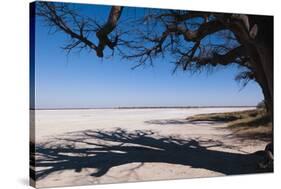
174	122
103	150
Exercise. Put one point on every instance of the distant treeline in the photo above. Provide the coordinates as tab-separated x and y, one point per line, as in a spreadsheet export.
179	107
145	107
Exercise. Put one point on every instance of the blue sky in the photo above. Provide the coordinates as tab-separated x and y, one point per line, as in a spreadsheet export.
83	80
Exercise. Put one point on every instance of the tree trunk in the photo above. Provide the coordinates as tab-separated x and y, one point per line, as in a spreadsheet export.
262	63
264	75
259	47
262	58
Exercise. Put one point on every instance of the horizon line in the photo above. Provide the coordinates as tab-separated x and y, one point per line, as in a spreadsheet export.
142	107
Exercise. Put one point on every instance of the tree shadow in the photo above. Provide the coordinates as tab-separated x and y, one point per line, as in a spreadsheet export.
103	150
183	121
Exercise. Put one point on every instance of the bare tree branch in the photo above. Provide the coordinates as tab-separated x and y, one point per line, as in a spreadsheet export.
58	16
106	29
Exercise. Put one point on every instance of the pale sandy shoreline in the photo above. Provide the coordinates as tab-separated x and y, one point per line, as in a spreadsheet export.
123	145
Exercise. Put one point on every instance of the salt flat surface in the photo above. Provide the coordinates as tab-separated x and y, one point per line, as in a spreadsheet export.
53	122
124	145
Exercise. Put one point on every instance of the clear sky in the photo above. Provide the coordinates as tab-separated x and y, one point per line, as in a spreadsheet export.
84	81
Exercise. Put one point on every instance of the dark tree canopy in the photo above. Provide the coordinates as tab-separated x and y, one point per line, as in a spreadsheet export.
244	40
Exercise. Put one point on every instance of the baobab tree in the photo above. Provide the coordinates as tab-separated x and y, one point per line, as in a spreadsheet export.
196	40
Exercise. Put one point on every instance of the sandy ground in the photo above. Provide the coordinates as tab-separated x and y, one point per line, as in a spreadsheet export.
80	147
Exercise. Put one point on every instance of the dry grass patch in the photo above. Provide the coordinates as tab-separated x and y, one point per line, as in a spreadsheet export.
249	124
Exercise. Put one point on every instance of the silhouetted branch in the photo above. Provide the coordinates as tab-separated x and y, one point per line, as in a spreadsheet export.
80	28
178	33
